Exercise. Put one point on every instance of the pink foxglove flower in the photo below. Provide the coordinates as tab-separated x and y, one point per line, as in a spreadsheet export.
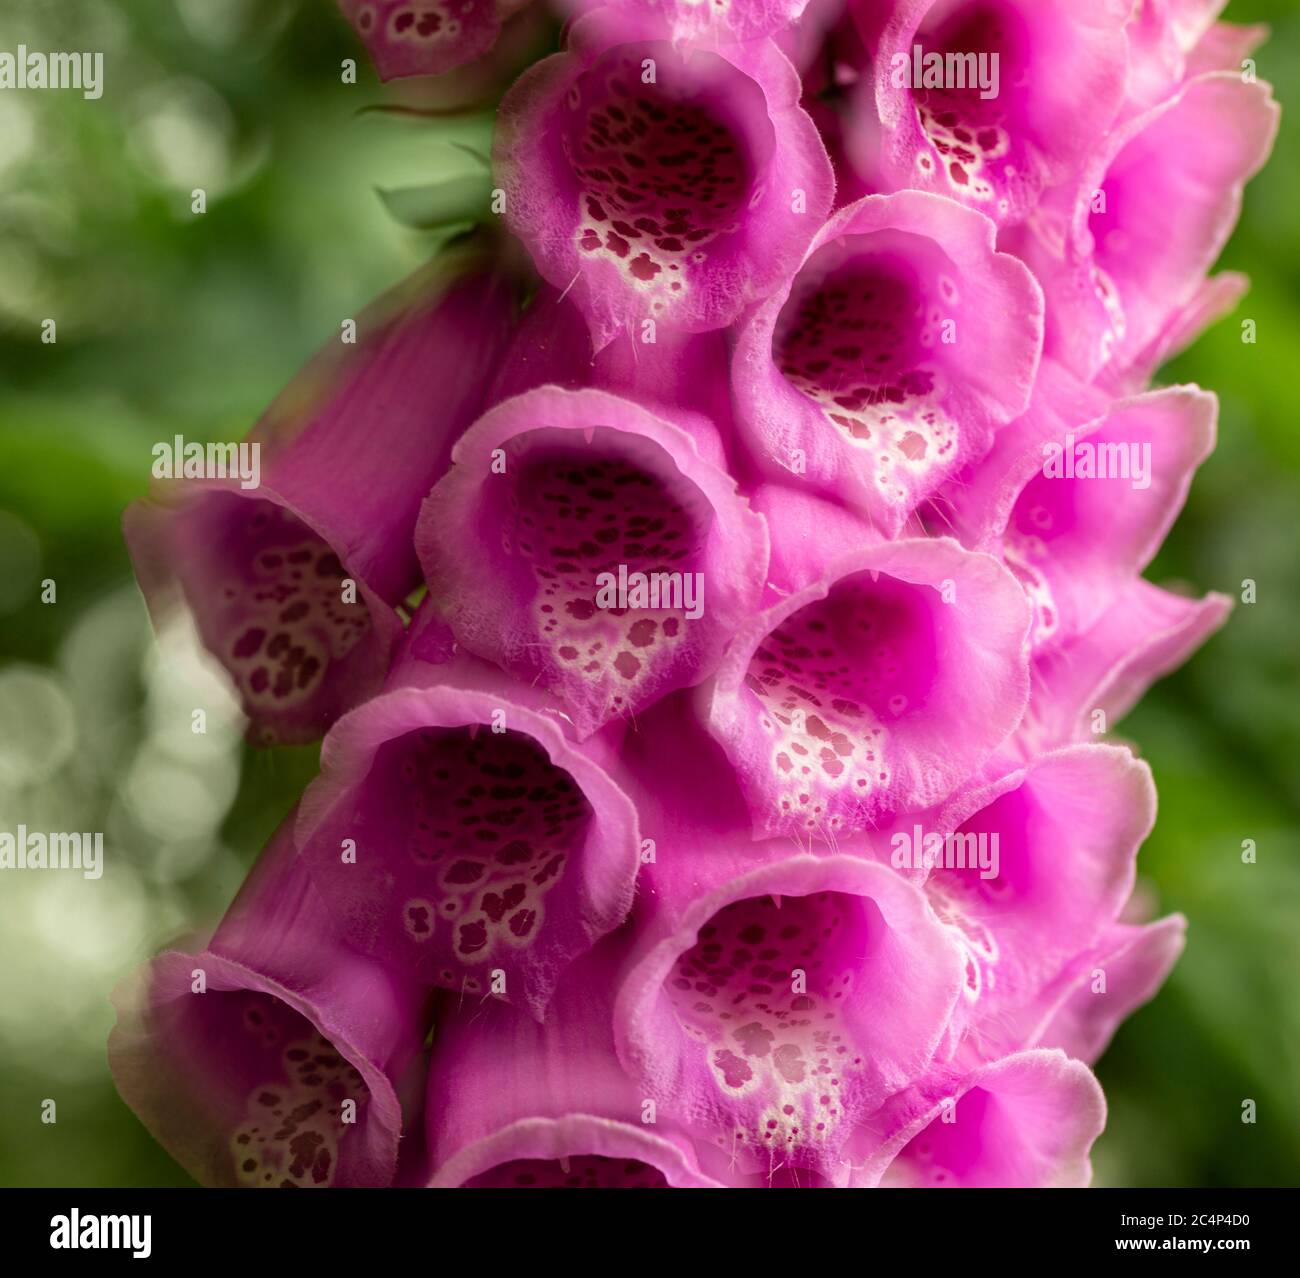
992	102
1078	494
891	355
777	1001
877	689
1026	1121
579	503
736	807
277	1056
455	832
293	579
660	184
1116	269
426	37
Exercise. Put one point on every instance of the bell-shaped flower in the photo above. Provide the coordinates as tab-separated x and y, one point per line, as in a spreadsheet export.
776	1001
1079	493
1117	271
888	360
663	185
991	101
1086	685
1026	1121
426	37
582	542
878	689
292	568
277	1056
1029	871
456	831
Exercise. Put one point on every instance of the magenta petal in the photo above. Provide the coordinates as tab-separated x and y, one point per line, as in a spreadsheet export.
1093	681
778	1002
1123	267
1080	492
878	689
815	532
678	371
572	503
292	584
716	22
1041	862
250	1081
660	184
517	1104
1027	1121
1121	973
485	847
887	361
1212	300
426	37
1060	81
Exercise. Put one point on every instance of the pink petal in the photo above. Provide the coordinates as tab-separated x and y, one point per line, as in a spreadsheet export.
720	22
517	1104
561	496
486	845
1027	1121
1061	75
245	1082
740	945
876	690
1041	863
426	37
1144	635
908	288
681	236
1119	272
1108	984
1080	492
348	452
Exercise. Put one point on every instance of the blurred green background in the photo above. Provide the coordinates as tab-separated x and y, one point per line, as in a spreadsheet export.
170	322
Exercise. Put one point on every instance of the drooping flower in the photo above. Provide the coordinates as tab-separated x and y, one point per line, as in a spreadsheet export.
775	1002
1118	272
1087	685
877	689
293	582
1027	1121
660	185
426	37
456	832
992	101
1108	983
887	361
277	1056
1030	870
579	505
1078	494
